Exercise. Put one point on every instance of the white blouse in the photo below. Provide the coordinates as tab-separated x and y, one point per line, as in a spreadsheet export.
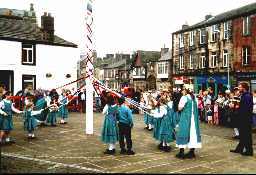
160	114
105	110
13	108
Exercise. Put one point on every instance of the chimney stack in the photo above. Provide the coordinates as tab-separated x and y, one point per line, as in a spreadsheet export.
184	26
47	26
208	16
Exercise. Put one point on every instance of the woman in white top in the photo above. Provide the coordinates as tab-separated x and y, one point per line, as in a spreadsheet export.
188	130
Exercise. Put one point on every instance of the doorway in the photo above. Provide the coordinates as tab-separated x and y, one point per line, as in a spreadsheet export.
7	78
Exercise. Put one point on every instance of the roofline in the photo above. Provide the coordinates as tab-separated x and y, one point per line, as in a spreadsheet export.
190	28
37	42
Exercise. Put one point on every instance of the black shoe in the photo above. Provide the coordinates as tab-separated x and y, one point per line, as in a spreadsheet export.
43	124
29	137
167	148
65	123
150	129
247	153
53	125
160	146
33	137
235	151
107	151
180	155
10	142
236	137
130	152
123	151
146	128
190	155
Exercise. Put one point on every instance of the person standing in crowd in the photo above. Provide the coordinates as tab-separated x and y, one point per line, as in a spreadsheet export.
200	105
226	112
3	88
216	113
110	133
54	95
245	121
220	101
176	99
209	116
6	109
82	100
30	121
234	106
136	97
29	89
125	125
254	108
188	130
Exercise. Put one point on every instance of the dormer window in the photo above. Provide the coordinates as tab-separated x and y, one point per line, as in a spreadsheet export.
28	54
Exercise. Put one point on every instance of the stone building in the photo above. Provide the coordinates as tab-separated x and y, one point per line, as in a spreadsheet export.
209	54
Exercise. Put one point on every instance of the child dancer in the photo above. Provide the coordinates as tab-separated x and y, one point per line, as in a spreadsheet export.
148	118
109	133
30	121
216	113
6	109
63	110
158	113
52	115
125	125
167	132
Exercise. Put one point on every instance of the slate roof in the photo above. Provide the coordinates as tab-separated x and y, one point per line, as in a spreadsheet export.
232	14
17	29
116	64
166	57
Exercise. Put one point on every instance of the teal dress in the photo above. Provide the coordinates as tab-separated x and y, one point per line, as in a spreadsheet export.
7	121
30	123
148	118
1	117
63	110
110	133
40	104
157	125
52	117
183	136
167	132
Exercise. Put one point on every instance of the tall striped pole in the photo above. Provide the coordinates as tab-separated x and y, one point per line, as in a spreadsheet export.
89	68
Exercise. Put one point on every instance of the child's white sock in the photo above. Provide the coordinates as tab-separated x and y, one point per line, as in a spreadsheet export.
32	135
167	144
236	132
7	139
29	135
149	126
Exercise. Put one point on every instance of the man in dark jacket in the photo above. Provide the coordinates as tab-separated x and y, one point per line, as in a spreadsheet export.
136	97
245	121
82	100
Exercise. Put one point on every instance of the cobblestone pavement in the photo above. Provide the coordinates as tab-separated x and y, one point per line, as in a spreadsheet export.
67	149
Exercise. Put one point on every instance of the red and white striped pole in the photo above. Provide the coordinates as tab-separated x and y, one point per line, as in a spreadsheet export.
89	68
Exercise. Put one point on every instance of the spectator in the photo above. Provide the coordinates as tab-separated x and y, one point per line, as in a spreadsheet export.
3	88
245	121
254	108
82	100
29	89
136	97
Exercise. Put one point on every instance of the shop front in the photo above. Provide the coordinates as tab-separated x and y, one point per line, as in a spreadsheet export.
217	83
179	81
249	77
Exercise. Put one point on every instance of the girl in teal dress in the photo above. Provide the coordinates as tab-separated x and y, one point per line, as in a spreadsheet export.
1	117
6	109
188	130
167	132
110	133
148	119
30	123
63	110
158	113
52	115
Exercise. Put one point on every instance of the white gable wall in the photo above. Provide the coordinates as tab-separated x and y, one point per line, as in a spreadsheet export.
56	60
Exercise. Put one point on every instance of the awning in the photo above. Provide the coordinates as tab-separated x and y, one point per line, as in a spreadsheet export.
179	82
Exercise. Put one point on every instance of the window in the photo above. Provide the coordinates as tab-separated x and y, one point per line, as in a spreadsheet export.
28	54
227	30
225	58
213	60
202	36
181	62
213	33
191	61
139	71
246	55
246	25
191	38
181	40
163	68
28	80
202	61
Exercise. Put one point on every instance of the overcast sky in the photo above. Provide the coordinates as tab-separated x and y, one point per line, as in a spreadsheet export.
125	25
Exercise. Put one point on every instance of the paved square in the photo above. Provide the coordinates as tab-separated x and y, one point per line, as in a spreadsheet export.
67	149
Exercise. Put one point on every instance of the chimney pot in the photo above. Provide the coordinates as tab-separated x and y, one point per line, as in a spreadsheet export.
49	14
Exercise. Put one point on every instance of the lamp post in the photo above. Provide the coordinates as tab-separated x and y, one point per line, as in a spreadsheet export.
228	76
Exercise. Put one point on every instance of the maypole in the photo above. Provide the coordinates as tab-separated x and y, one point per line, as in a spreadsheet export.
89	68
